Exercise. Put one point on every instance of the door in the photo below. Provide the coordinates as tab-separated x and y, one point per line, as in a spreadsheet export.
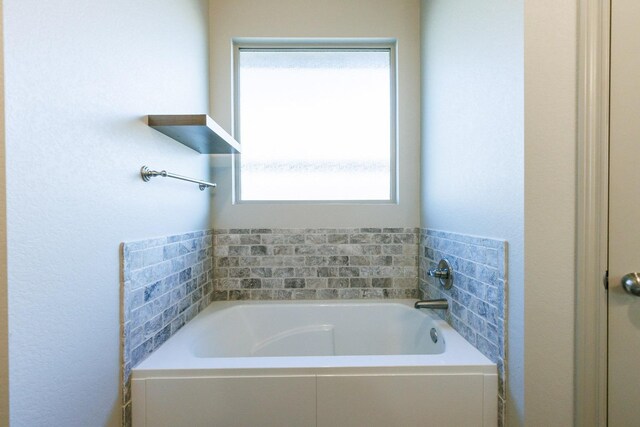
624	215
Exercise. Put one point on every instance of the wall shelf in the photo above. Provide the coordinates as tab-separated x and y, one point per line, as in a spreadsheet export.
196	131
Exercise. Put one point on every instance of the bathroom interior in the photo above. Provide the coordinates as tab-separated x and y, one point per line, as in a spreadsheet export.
484	158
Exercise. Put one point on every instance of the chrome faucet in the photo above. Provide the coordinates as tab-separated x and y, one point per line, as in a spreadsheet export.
443	272
434	304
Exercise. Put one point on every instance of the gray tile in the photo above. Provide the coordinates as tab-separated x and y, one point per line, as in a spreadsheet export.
316	283
294	283
239	250
359	282
338	238
250	283
349	272
352	293
327	271
250	239
342	282
303	294
259	250
379	282
326	293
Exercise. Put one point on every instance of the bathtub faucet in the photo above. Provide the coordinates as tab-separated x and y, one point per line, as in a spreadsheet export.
438	304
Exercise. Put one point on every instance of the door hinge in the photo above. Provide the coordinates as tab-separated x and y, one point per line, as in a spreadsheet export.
605	280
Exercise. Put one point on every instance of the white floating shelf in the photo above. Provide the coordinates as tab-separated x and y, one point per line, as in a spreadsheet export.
196	131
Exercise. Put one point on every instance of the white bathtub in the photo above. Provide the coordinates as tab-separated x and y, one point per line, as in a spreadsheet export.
315	363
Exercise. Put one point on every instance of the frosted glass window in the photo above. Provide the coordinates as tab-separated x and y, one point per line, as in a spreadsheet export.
315	124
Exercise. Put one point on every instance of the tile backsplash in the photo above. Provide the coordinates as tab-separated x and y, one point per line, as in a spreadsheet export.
315	263
165	282
477	308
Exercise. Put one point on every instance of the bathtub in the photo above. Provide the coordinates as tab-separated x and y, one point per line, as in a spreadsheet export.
315	363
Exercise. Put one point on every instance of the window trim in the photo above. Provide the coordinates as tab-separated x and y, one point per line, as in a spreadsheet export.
353	45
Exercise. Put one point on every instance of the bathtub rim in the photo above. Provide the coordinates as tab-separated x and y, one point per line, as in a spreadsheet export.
173	358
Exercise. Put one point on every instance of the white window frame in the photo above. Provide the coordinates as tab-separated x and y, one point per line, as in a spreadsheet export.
324	45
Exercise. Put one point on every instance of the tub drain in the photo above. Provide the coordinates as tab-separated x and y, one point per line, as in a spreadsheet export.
434	335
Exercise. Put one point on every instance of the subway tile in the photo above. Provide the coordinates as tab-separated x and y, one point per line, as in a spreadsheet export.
339	260
329	249
283	272
383	260
392	249
283	250
227	261
135	260
272	239
359	282
239	231
351	293
372	293
382	282
317	282
261	231
360	238
294	283
250	239
139	353
403	260
221	251
403	283
261	294
235	250
259	250
272	283
295	239
251	261
161	336
250	283
305	272
348	271
305	250
303	294
381	238
327	271
338	238
282	294
239	272
326	293
342	282
393	230
315	239
372	249
237	295
261	272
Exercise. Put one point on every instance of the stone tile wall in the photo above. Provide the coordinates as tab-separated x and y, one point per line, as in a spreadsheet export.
165	283
315	263
477	307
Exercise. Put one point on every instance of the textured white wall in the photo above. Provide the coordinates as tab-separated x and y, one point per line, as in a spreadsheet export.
4	324
80	77
550	199
398	19
473	142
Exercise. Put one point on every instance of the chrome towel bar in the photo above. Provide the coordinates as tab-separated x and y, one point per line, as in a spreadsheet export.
147	174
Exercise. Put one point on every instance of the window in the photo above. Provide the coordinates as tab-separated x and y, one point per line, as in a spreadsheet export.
315	124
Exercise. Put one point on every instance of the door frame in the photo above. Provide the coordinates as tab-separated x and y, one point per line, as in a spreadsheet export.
590	406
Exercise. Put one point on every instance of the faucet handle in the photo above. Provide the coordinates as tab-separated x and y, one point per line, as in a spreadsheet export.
444	273
440	273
